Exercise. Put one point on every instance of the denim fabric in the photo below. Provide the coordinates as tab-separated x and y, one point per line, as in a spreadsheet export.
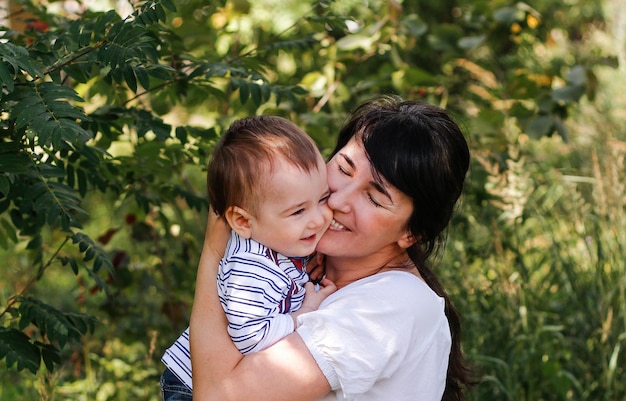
172	389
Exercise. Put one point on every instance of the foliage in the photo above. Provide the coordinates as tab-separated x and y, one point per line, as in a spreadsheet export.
107	121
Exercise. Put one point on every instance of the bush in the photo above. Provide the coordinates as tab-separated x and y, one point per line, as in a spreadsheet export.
107	121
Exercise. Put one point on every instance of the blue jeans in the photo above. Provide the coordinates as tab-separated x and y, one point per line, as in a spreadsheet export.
172	389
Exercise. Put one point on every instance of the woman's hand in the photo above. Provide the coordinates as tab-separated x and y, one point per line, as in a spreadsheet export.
210	345
217	235
316	268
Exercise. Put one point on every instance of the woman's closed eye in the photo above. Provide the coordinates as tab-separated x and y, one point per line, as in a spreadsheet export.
343	170
373	201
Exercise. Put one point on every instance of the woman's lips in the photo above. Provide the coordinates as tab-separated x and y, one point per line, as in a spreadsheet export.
335	225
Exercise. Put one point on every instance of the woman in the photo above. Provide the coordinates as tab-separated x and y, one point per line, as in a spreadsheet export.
389	332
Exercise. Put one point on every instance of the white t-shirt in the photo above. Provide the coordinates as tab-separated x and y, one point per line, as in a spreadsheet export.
384	337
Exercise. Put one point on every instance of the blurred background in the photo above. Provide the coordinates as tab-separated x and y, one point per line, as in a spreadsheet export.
110	108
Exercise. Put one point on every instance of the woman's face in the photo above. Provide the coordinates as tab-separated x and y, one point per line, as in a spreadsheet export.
369	216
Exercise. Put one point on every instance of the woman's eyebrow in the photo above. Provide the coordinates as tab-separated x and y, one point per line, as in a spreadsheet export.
380	188
376	184
348	160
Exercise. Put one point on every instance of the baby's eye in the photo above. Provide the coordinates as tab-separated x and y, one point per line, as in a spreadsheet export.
297	212
324	198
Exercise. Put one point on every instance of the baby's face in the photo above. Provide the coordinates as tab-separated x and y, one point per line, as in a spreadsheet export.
293	213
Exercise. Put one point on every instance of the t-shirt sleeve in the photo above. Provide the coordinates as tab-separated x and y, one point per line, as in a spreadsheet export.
253	293
361	335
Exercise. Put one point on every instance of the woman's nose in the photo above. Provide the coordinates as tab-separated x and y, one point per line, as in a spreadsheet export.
338	201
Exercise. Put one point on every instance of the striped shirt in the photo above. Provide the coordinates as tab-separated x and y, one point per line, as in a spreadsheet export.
257	288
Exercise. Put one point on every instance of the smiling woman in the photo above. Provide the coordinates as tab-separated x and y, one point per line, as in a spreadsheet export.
394	178
379	225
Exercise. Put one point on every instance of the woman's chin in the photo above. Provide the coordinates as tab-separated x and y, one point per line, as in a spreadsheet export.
330	242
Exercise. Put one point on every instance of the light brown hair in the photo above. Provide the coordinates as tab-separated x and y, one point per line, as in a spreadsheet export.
247	153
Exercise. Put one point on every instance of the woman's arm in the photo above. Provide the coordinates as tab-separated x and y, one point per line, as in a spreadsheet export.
285	371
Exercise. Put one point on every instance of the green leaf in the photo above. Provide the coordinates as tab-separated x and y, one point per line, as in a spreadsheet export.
16	348
356	41
130	78
143	77
4	244
9	231
82	182
471	42
539	126
509	15
416	26
51	356
181	134
52	91
70	175
47	110
244	91
19	58
160	12
91	250
148	17
169	5
561	129
568	93
6	77
577	76
300	43
161	72
58	326
5	185
35	112
25	105
15	163
102	22
256	94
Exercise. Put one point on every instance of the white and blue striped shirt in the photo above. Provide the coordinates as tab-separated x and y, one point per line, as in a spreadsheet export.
258	288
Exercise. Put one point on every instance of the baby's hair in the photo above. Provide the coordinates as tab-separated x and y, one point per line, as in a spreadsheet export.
248	152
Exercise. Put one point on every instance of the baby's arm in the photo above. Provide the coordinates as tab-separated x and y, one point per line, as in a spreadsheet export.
252	292
220	371
312	298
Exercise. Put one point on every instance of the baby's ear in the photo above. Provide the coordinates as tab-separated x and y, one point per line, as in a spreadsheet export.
239	220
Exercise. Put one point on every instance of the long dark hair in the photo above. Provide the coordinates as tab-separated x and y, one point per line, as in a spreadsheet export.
419	149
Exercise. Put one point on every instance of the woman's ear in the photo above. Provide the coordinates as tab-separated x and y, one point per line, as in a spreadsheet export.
408	240
239	220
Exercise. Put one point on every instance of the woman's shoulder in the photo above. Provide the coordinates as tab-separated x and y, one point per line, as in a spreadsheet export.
394	284
396	317
392	292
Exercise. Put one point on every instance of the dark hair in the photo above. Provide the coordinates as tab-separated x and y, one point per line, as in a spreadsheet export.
247	152
419	149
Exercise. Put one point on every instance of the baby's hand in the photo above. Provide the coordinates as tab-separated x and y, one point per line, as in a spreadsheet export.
316	268
312	298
